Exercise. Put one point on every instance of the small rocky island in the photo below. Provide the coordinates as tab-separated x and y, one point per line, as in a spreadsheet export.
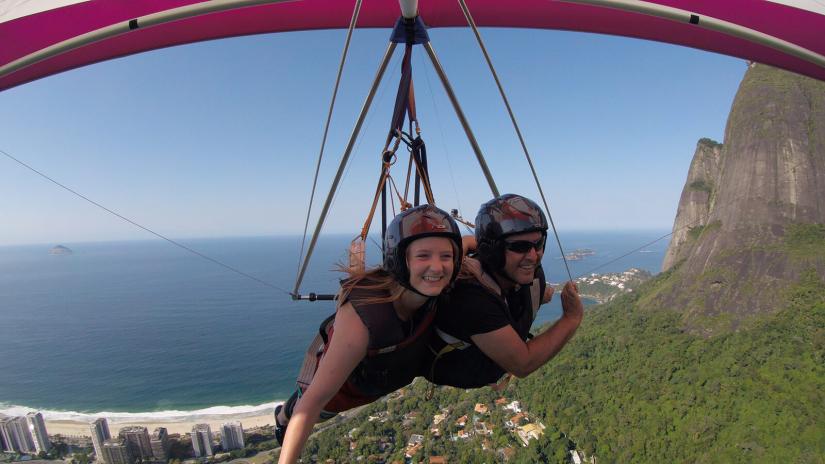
579	254
60	250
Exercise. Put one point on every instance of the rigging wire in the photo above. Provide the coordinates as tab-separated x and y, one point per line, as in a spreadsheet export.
472	24
353	20
380	99
156	234
342	165
441	131
687	226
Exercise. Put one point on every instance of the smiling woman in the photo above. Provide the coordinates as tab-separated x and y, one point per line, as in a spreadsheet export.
384	319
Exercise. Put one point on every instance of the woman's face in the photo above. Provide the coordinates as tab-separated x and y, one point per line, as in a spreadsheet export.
430	261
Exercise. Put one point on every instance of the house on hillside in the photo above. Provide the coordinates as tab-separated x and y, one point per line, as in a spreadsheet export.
515	421
481	408
530	432
381	416
575	458
481	428
412	450
415	439
514	406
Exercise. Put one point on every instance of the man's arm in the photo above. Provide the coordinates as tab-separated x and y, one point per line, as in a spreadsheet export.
511	353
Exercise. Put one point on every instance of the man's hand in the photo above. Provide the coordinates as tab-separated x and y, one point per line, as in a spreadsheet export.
571	304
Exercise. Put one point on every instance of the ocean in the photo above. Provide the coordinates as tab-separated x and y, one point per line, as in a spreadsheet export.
144	328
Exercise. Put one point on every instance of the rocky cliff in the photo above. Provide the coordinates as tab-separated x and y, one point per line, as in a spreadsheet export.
750	219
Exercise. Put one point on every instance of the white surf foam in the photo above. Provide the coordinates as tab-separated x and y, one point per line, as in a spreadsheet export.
206	414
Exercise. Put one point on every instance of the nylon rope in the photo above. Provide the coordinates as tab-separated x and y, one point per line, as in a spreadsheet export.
472	24
156	234
352	23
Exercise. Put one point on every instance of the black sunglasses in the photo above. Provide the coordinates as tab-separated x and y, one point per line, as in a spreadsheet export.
524	246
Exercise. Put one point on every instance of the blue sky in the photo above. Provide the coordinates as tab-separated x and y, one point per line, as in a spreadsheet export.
220	138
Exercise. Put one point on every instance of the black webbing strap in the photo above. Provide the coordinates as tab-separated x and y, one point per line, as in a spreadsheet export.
402	98
419	154
413	31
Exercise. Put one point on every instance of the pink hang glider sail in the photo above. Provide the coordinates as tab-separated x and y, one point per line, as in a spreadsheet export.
45	37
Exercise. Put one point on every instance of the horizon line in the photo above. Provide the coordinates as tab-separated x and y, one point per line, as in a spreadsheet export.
290	235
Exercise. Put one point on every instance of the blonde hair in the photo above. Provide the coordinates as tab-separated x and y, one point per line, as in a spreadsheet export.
375	281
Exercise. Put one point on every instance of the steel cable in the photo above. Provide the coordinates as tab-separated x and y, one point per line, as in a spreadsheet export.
472	24
353	20
156	234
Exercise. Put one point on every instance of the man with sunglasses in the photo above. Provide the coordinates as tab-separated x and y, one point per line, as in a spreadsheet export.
484	323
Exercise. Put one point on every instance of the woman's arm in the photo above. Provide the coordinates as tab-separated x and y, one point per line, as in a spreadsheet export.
347	349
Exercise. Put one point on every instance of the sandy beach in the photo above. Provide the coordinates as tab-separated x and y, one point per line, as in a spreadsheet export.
80	428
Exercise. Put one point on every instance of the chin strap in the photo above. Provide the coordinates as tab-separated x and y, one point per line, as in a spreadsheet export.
407	286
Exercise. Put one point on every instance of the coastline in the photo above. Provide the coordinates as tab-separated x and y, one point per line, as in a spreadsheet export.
76	424
79	428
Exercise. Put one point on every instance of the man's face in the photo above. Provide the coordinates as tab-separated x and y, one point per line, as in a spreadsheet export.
521	266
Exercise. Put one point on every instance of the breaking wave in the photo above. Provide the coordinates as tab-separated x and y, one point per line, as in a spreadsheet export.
207	414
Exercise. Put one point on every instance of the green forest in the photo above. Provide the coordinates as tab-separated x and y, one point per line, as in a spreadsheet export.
633	386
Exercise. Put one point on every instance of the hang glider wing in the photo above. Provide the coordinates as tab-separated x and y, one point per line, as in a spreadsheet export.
39	38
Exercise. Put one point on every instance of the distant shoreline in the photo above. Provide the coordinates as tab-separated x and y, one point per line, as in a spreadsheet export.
71	423
79	428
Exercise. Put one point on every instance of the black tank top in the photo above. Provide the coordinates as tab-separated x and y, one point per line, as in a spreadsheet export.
396	349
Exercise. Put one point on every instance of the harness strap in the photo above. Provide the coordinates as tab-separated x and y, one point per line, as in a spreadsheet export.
473	266
422	177
535	297
379	193
453	343
327	329
422	327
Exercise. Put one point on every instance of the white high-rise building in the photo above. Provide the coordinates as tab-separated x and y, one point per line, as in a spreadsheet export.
116	451
100	433
202	440
16	435
137	440
160	444
7	434
232	436
37	427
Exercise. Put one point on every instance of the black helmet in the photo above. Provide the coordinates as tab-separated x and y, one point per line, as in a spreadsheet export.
414	223
503	216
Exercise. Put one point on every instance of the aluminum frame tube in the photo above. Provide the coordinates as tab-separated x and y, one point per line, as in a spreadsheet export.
409	8
460	113
123	27
343	164
710	23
